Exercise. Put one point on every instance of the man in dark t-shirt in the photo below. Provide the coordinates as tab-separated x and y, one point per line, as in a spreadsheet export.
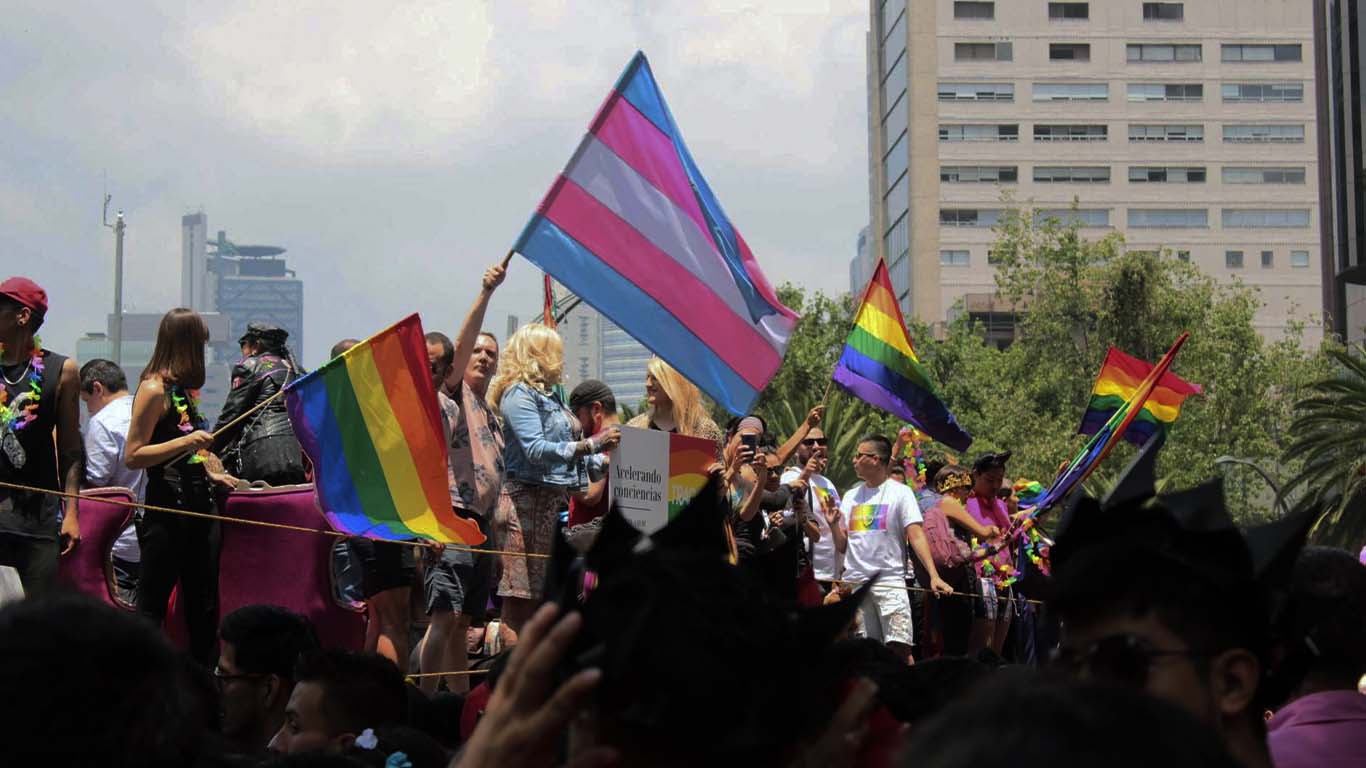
41	397
596	409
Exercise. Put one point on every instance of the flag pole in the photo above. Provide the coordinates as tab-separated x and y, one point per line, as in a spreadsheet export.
506	260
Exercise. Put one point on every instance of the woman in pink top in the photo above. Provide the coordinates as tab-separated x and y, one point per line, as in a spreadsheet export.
991	613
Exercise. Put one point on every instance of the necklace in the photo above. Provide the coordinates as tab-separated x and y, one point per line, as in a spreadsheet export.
24	410
186	402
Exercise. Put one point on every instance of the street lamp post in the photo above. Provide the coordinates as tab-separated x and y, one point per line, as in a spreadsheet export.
1279	500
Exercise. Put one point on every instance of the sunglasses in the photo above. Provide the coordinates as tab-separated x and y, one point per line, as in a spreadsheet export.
815	441
1123	659
863	455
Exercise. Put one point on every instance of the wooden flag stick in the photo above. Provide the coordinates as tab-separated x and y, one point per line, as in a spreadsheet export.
507	260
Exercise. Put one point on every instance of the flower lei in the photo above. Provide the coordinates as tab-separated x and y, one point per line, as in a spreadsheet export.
20	416
914	451
186	402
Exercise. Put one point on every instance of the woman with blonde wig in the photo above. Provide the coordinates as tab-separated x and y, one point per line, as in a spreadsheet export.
675	405
544	458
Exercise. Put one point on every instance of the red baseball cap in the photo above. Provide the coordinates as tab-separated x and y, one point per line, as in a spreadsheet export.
26	292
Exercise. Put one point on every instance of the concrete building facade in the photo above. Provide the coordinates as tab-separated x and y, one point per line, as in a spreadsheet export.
1188	126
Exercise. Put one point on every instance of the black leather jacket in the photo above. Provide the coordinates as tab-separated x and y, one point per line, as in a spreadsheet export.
263	446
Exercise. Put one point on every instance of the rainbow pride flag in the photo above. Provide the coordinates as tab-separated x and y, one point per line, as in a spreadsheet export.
632	227
868	517
689	459
879	366
1117	381
368	421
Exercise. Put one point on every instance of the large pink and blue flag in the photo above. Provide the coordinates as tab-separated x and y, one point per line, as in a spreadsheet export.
632	228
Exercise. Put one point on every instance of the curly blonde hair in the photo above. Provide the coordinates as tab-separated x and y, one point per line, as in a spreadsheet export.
533	356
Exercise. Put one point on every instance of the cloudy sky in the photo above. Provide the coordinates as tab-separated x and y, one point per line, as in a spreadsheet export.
396	149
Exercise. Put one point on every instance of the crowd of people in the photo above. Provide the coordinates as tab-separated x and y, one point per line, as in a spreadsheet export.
777	620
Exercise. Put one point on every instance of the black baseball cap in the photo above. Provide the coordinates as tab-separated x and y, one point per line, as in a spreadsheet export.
589	392
989	461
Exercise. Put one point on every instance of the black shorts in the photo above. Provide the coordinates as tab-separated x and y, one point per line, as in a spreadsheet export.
383	565
460	580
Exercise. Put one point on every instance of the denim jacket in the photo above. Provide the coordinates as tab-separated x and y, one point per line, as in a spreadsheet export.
539	439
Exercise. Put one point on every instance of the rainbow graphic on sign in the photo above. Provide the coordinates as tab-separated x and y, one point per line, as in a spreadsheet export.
689	458
868	517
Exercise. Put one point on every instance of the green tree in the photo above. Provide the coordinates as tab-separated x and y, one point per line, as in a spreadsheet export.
1330	440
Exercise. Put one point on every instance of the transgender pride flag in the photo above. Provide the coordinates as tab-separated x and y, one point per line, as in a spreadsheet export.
632	228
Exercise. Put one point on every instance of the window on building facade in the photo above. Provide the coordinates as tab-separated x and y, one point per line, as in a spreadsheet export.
1174	218
969	10
1071	91
891	9
1075	174
1291	175
895	83
1069	51
899	238
1262	92
896	201
983	132
1166	91
894	123
1070	132
1193	133
969	217
997	174
894	164
1255	134
1164	11
954	258
1299	258
1233	259
1069	11
976	92
1266	218
1157	52
1085	217
1260	52
997	51
1166	174
895	46
1183	256
1268	259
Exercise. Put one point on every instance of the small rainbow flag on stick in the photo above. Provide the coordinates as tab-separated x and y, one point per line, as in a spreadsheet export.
879	366
368	421
1119	378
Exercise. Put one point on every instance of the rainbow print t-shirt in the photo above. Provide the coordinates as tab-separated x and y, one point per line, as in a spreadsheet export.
876	520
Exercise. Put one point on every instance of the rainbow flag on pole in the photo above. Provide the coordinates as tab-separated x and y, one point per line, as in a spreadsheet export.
1117	381
368	421
1100	444
879	366
632	228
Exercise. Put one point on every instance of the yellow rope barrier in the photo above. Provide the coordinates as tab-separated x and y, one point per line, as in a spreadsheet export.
417	675
261	523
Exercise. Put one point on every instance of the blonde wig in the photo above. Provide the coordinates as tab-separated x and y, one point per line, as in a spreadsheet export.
689	414
533	356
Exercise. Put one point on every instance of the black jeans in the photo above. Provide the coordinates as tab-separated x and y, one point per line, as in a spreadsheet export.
34	559
955	613
177	549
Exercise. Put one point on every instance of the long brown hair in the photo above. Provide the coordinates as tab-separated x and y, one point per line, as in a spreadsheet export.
178	357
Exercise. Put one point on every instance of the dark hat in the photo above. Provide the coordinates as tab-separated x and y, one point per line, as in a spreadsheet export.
989	461
26	292
589	392
265	334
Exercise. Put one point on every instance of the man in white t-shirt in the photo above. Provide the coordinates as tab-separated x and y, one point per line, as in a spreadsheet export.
822	503
880	518
104	389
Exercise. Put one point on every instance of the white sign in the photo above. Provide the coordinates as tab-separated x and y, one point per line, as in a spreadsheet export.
640	478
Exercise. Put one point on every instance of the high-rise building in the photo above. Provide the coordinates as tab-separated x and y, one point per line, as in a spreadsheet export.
1189	126
1341	66
196	290
861	266
247	283
595	348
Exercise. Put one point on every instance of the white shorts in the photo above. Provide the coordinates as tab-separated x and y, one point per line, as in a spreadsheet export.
886	615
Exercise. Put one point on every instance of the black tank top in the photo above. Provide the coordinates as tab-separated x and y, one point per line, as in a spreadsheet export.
178	479
23	513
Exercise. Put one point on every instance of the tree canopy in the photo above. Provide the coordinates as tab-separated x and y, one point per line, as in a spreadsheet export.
1076	298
